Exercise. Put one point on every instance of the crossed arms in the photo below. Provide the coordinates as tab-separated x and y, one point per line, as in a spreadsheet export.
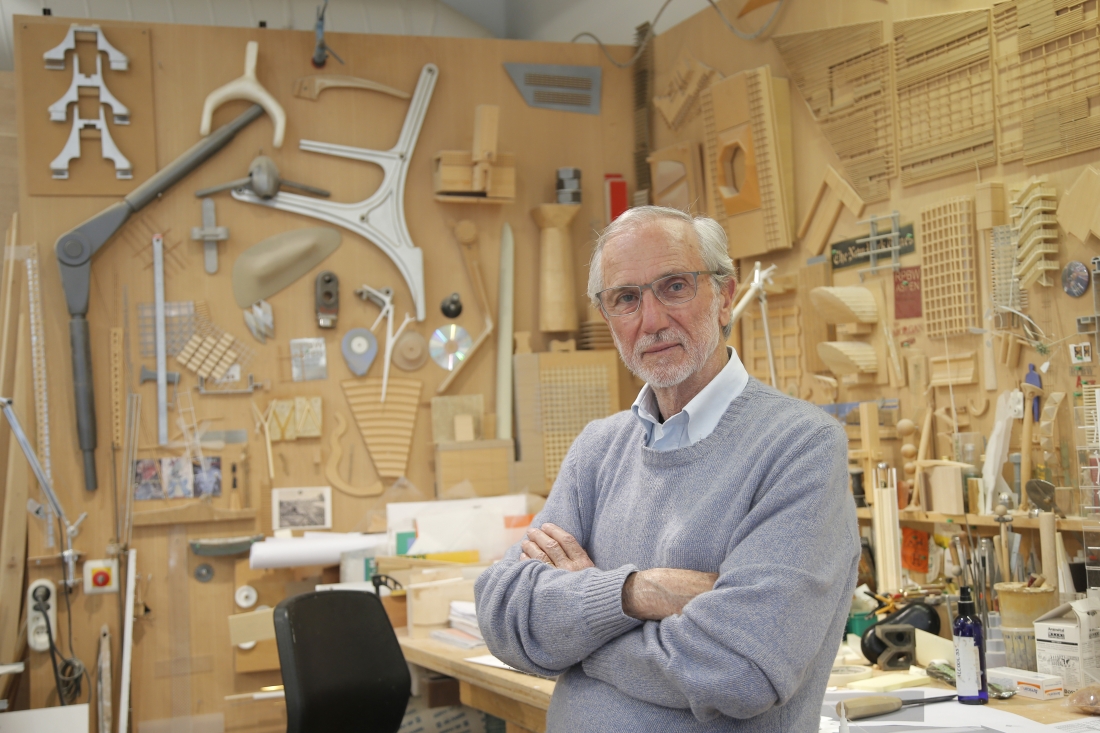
648	595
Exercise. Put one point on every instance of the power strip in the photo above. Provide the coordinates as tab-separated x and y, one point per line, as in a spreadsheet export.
37	636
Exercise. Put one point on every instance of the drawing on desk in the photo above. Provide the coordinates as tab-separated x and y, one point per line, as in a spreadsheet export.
304	508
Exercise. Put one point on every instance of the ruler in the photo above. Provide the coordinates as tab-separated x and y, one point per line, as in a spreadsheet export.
162	345
38	367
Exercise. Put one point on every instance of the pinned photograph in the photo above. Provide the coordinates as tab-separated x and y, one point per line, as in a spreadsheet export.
147	483
306	508
176	475
208	476
1080	353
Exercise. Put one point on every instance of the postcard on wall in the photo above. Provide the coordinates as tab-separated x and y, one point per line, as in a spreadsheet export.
208	476
147	484
305	508
176	475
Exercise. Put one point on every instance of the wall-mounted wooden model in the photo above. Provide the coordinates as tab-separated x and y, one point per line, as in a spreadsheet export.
477	176
386	427
944	90
844	75
750	178
834	194
676	176
1077	211
687	80
859	354
1048	78
949	290
1035	228
557	292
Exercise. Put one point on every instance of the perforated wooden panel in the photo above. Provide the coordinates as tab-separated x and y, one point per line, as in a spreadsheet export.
948	285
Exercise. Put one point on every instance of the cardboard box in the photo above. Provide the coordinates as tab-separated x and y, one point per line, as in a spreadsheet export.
1034	685
1067	644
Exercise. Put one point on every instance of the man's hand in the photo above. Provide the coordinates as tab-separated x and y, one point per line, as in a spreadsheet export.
554	546
653	595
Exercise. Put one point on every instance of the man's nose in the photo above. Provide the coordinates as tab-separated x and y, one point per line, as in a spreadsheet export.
654	313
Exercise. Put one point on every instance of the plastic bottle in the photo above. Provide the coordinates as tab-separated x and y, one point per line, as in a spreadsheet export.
969	652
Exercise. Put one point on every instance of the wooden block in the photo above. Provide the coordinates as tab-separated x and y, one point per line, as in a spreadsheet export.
557	290
573	389
530	468
252	626
953	370
519	716
946	489
814	328
989	205
429	604
1077	212
485	464
464	428
446	409
833	194
396	609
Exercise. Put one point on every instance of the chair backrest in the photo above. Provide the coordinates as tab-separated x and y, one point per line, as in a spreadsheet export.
342	666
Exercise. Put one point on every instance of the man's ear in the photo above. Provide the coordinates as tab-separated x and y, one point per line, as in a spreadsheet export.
727	293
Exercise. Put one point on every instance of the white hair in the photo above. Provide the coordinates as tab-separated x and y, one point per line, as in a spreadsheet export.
710	239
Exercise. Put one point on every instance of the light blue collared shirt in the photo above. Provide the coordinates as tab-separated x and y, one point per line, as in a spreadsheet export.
699	417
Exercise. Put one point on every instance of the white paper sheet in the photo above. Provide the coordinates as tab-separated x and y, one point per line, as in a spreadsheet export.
945	717
317	549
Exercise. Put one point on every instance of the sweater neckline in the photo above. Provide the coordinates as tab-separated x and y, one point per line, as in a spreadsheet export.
696	451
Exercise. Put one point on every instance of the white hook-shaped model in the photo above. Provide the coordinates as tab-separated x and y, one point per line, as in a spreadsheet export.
246	87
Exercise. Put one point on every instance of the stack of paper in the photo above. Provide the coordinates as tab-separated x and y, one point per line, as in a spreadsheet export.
457	638
463	617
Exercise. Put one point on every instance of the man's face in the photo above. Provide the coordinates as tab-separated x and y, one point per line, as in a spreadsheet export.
664	345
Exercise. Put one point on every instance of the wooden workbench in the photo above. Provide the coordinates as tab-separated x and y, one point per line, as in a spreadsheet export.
522	700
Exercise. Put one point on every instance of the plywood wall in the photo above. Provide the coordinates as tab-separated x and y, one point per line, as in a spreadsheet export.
183	663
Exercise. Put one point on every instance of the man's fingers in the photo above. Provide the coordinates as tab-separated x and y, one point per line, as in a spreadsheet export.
567	541
548	545
534	552
524	556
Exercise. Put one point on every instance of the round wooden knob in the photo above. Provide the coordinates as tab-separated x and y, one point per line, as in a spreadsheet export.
909	451
910	468
906	427
410	352
466	231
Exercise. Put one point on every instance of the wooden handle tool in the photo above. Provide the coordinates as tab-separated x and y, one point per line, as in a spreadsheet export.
872	705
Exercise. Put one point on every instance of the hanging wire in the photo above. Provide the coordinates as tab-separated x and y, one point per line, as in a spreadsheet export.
653	24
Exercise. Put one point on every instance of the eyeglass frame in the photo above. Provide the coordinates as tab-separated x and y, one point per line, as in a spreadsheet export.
649	286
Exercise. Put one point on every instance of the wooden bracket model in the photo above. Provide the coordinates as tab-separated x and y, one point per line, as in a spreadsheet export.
332	466
246	87
310	87
834	193
480	175
466	234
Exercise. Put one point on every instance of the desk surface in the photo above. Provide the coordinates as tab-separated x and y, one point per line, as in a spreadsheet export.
534	691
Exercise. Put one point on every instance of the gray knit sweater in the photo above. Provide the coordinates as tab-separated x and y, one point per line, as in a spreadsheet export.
763	501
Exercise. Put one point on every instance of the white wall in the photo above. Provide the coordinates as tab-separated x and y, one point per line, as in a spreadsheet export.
613	21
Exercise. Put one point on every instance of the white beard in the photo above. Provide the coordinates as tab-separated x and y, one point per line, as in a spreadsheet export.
696	353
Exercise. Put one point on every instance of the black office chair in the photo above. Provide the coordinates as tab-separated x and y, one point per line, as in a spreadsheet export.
342	667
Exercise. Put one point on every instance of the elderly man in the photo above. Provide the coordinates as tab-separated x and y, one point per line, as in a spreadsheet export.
693	566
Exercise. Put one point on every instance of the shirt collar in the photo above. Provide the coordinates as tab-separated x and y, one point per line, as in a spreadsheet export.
705	409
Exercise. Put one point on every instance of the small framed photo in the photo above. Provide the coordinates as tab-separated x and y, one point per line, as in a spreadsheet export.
1080	353
305	508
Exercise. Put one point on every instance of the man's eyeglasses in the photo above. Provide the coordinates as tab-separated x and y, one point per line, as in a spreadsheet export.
675	289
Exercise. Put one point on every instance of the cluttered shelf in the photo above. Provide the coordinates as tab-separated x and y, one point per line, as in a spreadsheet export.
1069	524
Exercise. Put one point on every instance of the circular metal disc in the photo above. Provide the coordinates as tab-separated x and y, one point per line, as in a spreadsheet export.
204	573
449	346
1075	279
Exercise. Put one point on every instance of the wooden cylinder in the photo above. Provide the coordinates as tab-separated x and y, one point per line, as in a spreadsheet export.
557	293
505	325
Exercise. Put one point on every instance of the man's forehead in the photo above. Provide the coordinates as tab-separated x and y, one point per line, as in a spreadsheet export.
662	243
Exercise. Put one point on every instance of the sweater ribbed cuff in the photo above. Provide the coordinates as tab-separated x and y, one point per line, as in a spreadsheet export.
603	603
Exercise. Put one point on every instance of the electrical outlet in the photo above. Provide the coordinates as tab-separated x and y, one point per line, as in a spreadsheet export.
37	637
101	576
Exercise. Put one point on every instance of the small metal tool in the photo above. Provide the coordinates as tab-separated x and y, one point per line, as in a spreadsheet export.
150	375
209	234
328	299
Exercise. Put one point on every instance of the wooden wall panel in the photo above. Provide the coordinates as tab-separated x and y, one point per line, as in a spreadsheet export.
187	62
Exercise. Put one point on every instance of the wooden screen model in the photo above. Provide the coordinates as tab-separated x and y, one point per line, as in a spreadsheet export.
948	283
944	88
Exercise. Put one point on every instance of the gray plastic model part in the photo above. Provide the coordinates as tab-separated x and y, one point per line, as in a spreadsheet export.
120	113
60	165
55	57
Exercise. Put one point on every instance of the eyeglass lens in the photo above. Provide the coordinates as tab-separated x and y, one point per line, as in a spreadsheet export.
670	290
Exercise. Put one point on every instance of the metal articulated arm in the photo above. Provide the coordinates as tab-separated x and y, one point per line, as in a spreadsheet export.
74	256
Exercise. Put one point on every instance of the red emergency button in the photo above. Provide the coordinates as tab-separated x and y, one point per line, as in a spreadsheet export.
101	579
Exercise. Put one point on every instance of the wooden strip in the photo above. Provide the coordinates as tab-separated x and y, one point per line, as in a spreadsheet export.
13	533
386	427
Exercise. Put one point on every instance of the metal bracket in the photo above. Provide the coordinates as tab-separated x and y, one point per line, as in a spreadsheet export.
209	234
379	218
55	57
59	109
60	165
